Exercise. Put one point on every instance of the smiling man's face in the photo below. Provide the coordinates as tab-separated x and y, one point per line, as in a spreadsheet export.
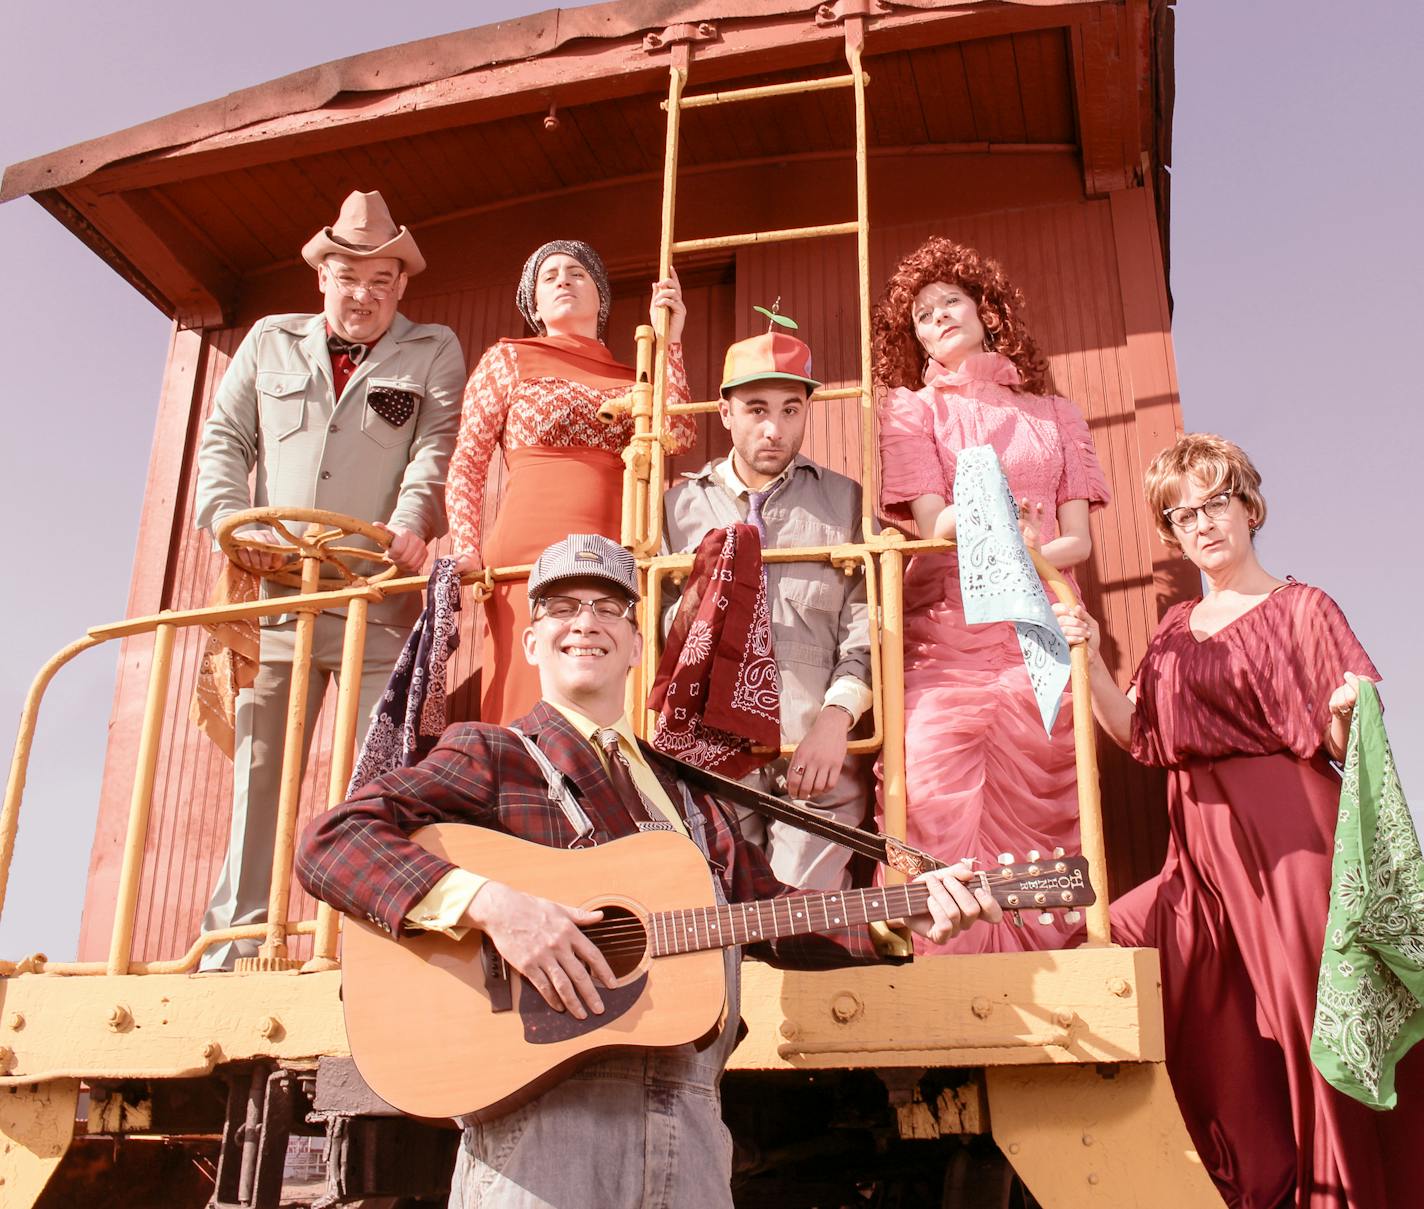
361	295
584	660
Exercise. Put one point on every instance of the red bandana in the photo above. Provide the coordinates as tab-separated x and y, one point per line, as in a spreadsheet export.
717	692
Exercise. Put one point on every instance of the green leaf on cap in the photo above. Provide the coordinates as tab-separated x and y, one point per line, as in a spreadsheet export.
781	320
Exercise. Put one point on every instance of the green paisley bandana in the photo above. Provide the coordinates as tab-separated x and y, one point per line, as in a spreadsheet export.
1369	1006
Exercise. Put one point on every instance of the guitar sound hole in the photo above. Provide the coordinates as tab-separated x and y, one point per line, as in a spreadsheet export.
621	938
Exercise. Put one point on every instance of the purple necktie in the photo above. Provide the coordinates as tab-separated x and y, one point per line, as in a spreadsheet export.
755	501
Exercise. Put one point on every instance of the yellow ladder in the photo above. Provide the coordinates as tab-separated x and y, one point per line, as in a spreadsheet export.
642	515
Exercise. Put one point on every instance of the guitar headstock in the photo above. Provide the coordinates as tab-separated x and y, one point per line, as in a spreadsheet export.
1042	884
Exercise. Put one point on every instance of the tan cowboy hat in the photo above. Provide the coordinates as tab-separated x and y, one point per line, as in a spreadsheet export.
365	228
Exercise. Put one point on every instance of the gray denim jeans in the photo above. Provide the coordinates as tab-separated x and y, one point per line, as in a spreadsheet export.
640	1129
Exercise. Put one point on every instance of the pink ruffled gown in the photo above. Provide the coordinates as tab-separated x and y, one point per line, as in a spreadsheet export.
982	776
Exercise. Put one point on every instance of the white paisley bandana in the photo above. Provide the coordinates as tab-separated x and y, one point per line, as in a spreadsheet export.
1369	1004
997	579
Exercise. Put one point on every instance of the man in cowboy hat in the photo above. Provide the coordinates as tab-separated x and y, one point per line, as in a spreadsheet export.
819	620
352	410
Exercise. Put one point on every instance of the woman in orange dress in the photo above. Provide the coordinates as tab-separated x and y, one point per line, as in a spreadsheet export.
537	401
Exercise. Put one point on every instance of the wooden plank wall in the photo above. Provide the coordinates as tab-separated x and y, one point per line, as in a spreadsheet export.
1097	301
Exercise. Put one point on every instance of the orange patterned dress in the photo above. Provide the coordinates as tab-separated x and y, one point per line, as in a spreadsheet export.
537	401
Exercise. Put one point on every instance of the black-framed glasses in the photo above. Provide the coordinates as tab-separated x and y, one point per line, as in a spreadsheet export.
1185	518
566	608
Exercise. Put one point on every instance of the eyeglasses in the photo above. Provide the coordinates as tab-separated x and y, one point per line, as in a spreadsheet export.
1185	518
349	289
566	608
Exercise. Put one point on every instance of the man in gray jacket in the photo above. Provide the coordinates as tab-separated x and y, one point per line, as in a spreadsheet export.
353	410
819	618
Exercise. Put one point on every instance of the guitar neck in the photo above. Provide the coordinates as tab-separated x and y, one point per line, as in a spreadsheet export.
698	928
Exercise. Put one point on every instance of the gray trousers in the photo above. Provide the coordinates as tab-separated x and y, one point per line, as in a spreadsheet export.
640	1129
797	857
244	882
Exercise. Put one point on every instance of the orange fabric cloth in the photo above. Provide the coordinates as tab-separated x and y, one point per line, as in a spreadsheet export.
230	659
551	493
509	407
574	358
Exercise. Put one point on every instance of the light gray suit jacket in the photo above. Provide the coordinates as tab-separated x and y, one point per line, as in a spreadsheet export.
275	411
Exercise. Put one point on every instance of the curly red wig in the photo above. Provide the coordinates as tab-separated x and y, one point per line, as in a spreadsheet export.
896	356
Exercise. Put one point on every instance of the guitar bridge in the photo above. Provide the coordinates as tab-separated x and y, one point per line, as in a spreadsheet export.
497	983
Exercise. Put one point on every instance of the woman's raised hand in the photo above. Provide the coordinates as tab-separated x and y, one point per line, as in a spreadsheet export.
468	562
1077	626
1344	698
667	294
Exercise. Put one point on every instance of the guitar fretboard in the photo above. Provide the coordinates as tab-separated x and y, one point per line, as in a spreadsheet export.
698	928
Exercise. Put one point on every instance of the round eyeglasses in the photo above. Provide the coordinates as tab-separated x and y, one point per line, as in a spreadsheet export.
348	288
1185	519
566	608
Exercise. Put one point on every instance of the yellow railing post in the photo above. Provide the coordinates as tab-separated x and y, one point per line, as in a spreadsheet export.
343	749
141	801
20	760
892	666
273	953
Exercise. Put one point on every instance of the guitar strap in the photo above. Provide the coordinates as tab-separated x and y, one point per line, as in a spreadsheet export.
882	848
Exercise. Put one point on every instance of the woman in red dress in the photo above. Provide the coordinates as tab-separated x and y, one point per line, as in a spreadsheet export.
537	401
1245	695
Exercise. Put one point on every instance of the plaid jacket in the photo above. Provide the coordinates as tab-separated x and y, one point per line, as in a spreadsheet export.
357	857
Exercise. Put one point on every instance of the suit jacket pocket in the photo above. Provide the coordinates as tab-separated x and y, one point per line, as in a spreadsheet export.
281	402
392	405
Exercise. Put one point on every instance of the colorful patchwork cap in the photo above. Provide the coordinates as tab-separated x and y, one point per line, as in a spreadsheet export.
773	354
585	556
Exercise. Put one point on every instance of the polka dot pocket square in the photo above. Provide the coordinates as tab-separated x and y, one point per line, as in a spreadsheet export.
392	405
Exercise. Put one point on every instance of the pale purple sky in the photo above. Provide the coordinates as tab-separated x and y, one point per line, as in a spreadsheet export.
1297	258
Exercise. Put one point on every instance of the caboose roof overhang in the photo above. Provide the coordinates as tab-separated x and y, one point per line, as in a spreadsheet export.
193	207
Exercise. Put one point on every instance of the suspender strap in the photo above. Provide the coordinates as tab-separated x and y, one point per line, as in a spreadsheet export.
885	849
560	794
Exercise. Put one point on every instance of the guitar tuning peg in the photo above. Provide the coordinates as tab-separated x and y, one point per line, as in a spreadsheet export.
1072	917
1017	918
1032	854
1045	918
1006	858
1057	852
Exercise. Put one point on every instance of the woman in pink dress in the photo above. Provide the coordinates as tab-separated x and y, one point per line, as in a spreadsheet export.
1245	695
536	400
960	369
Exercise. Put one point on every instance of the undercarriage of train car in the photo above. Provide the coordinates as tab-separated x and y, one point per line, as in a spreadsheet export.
997	1080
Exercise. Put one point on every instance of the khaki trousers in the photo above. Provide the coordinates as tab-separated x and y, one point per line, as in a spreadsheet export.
244	882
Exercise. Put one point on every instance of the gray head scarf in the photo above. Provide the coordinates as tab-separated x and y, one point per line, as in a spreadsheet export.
586	256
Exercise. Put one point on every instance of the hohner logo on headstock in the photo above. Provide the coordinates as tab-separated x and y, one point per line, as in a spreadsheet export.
1070	880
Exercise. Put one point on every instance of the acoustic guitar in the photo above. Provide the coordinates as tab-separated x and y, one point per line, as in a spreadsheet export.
444	1028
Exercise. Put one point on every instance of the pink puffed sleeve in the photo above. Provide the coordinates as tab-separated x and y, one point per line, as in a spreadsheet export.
1083	477
482	417
911	463
1301	664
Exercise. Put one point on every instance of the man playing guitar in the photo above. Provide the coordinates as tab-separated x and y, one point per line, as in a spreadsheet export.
641	1127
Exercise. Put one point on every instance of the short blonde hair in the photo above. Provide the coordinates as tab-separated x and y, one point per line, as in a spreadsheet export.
1203	457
